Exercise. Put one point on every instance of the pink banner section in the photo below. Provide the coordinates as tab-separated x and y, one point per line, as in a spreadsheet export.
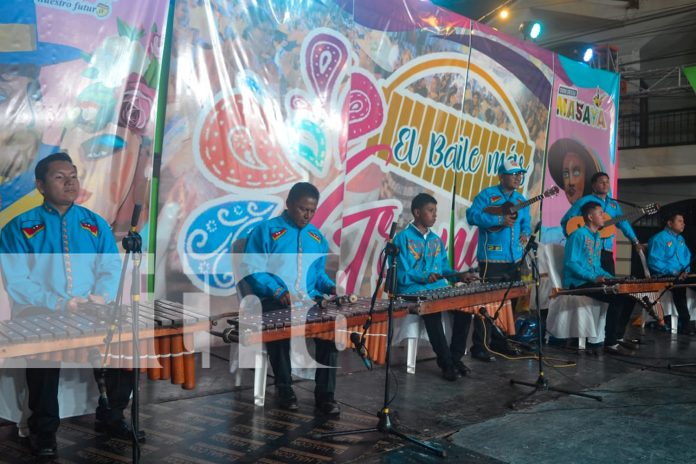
373	102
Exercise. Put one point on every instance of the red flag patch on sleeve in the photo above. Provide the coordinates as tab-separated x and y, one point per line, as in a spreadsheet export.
29	232
92	228
495	198
315	236
278	233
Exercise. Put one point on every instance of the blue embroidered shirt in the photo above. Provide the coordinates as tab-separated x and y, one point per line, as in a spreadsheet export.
668	254
280	257
419	256
582	261
502	246
47	259
611	207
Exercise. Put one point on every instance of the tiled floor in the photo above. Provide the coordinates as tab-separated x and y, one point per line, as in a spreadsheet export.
647	412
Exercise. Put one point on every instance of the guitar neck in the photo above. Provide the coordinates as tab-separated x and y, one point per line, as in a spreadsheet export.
524	204
618	219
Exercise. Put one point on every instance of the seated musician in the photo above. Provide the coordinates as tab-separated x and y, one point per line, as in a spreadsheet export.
582	268
423	265
501	245
668	255
600	188
47	255
290	236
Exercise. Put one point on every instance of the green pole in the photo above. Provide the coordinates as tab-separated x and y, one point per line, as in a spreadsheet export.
162	88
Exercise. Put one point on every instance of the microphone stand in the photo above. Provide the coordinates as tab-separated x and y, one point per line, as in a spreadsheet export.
132	244
385	422
542	383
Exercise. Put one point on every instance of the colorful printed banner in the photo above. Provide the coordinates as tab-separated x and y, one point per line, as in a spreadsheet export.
582	137
81	77
373	102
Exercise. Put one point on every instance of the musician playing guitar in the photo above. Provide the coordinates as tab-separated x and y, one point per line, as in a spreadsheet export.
582	267
423	265
285	256
54	257
600	188
501	243
668	255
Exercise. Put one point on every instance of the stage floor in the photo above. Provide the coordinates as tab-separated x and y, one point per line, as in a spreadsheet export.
647	414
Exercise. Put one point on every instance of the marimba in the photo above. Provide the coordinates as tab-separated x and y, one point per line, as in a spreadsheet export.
469	298
645	291
326	321
464	297
165	345
619	287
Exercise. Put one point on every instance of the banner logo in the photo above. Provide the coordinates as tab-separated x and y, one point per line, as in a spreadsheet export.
571	108
101	10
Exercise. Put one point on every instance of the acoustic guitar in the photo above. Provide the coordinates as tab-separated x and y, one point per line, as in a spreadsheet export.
609	228
510	209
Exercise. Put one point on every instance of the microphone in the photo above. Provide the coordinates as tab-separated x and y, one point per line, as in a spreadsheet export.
136	215
392	232
531	242
484	313
537	228
359	346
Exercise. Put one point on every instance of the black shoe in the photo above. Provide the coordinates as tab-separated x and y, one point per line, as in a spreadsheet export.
628	344
462	368
287	400
618	350
328	407
450	374
118	429
44	445
483	356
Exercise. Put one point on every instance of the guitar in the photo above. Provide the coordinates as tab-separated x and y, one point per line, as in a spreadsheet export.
510	209
609	228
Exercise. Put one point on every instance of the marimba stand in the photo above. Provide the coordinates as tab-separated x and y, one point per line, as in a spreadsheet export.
542	383
385	423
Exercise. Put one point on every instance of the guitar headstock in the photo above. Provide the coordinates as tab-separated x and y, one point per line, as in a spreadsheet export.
552	192
652	208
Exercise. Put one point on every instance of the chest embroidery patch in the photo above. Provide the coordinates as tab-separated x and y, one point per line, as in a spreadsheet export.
315	236
278	233
91	228
29	232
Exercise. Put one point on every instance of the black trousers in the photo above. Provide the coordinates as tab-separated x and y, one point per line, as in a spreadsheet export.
484	332
620	306
448	355
42	384
679	298
325	353
618	314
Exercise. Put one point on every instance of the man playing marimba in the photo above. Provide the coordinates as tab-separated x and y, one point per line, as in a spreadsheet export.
54	257
293	271
501	244
668	255
423	265
582	267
